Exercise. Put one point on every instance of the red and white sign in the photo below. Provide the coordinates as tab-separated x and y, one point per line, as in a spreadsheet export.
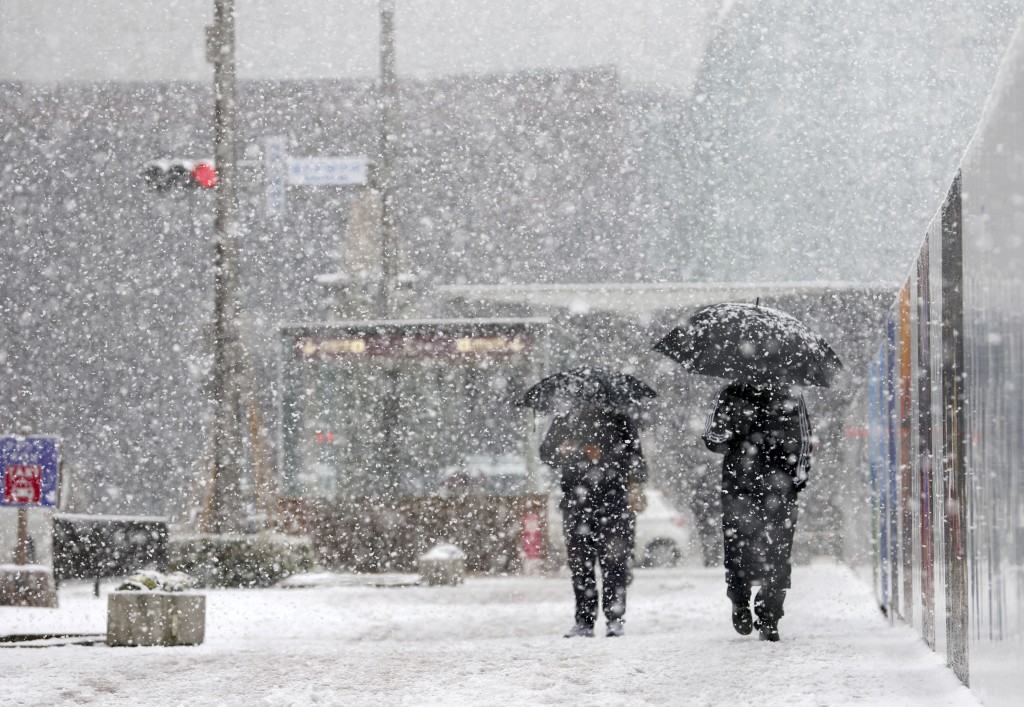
23	483
531	536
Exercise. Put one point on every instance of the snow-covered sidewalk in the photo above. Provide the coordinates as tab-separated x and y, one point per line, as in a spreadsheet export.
489	641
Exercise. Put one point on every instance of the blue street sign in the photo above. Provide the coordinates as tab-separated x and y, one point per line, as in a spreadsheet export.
29	470
327	171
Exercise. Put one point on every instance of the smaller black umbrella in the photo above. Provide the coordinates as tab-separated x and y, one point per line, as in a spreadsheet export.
747	341
579	387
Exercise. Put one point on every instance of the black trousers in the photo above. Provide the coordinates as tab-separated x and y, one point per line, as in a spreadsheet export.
758	527
598	537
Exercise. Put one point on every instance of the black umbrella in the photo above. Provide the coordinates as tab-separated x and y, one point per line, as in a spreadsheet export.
579	387
747	341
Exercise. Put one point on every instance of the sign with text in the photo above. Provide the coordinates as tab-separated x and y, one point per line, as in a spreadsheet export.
327	171
413	344
29	470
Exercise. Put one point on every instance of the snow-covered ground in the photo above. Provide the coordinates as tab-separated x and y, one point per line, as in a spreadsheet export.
489	641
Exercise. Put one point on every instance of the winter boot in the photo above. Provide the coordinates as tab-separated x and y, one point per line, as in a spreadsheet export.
741	619
767	631
616	628
739	595
768	607
580	631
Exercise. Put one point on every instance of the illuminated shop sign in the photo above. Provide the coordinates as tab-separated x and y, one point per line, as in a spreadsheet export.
412	344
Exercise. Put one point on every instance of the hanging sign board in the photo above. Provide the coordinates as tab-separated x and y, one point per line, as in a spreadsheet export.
29	470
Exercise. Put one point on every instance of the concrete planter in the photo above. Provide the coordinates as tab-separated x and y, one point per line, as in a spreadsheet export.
27	585
136	618
443	565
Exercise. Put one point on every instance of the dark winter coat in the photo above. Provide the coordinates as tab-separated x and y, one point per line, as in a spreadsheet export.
761	430
765	434
597	454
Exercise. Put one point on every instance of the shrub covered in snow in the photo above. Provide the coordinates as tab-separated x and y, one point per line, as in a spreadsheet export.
257	560
151	580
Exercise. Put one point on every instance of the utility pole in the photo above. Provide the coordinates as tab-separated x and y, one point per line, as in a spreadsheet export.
388	139
21	549
226	501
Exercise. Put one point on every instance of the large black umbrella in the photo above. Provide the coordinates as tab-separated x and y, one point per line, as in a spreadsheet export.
748	341
579	387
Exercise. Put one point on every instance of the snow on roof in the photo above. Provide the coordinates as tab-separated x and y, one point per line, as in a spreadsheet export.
638	297
105	518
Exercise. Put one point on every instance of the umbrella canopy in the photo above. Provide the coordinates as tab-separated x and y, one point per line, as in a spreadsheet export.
581	387
747	341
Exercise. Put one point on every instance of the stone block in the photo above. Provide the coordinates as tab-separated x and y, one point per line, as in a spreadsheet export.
137	618
27	585
443	565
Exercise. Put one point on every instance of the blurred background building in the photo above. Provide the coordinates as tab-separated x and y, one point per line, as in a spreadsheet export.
546	144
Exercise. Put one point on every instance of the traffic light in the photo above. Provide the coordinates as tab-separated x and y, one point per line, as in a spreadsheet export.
164	175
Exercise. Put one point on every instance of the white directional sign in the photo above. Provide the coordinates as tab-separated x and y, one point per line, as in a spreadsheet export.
327	171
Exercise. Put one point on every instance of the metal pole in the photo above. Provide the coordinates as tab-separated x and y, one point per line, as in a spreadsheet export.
22	555
21	551
386	169
227	463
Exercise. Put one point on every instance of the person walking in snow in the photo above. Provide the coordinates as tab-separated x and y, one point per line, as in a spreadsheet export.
764	432
597	453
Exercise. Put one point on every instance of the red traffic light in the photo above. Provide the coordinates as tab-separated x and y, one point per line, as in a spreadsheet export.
167	174
205	175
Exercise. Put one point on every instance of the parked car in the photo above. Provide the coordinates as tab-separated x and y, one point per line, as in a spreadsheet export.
662	532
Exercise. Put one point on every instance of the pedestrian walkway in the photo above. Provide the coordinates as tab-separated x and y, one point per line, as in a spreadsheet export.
491	641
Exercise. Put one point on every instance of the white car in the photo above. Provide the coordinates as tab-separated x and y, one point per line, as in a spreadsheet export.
662	532
484	474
